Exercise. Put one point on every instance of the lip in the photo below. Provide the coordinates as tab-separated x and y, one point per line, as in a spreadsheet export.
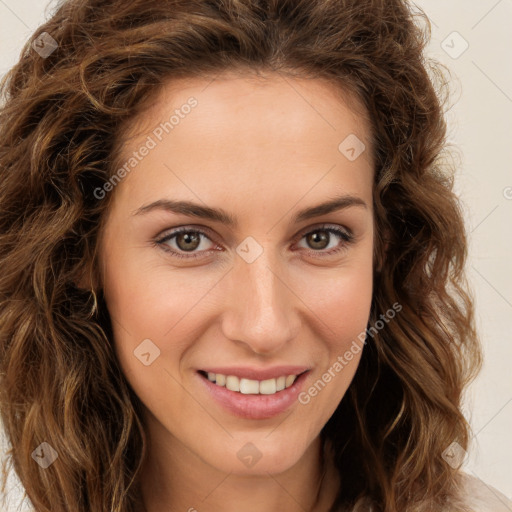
254	407
256	373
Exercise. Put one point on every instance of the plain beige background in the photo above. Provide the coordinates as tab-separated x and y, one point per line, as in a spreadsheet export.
474	39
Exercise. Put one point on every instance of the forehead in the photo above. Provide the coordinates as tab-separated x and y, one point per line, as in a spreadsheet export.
256	107
276	133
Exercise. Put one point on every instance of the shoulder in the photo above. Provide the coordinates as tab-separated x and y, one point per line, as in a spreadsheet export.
482	497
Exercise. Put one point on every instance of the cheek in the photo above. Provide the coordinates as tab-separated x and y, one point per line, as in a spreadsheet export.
344	309
348	309
149	300
149	306
341	298
348	299
340	303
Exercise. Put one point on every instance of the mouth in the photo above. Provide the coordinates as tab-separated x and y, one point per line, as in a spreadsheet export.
247	386
253	398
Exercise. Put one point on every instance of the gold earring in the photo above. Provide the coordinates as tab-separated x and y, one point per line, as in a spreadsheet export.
94	306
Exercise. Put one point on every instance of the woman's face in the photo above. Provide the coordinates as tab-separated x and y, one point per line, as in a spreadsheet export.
265	279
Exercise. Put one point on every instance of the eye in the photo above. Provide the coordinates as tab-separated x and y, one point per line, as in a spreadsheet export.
185	240
321	239
191	243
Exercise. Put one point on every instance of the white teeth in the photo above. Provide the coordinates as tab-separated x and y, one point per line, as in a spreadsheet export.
252	387
290	380
249	387
268	387
233	383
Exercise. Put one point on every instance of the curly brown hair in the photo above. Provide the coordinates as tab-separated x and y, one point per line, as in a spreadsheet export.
61	125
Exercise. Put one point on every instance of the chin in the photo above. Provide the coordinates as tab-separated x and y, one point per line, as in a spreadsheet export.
260	454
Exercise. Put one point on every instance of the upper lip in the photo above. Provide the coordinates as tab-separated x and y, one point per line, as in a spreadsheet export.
246	372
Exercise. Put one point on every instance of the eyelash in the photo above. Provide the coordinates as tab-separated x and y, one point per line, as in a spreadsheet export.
347	237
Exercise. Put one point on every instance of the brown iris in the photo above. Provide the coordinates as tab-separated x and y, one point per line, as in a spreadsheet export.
190	240
318	237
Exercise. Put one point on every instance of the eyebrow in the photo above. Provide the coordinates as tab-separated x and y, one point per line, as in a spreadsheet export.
219	215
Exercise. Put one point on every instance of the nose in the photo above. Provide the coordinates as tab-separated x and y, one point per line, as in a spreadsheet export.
261	310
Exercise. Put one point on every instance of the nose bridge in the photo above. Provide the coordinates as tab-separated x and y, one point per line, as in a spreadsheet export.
261	309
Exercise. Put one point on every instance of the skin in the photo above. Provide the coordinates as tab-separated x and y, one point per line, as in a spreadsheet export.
262	149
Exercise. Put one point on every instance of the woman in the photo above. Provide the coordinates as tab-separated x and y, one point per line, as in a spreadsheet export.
232	263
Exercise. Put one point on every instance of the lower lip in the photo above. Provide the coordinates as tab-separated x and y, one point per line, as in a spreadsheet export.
255	407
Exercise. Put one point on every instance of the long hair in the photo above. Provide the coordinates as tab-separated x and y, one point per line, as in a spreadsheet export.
61	126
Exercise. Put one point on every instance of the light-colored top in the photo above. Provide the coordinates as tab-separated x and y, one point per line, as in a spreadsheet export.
482	497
